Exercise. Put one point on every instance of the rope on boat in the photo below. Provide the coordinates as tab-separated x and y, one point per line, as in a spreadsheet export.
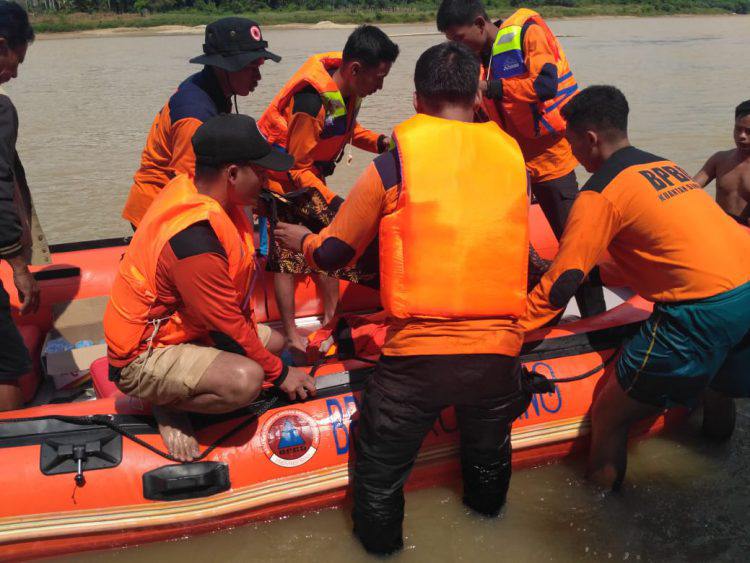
534	382
538	383
107	421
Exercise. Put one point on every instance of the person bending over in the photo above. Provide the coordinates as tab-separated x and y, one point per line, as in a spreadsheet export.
313	117
675	247
233	52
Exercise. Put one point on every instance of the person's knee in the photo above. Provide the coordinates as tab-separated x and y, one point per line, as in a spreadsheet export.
276	342
243	384
11	397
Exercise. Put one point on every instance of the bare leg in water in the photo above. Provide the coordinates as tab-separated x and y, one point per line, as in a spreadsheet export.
230	383
11	397
719	416
612	415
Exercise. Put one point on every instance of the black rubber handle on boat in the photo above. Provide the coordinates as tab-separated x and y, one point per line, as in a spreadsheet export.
57	273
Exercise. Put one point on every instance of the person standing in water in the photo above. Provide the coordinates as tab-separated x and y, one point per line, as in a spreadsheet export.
232	56
674	247
453	336
526	81
313	118
21	239
731	170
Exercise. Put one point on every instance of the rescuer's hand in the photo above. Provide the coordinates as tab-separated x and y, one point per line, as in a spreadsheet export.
298	385
290	236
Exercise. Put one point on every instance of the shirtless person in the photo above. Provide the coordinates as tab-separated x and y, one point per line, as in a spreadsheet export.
731	169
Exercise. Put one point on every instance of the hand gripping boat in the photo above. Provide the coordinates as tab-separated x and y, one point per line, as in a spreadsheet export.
91	474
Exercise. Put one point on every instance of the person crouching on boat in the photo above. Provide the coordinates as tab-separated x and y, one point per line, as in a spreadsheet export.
179	325
675	247
233	53
313	117
441	210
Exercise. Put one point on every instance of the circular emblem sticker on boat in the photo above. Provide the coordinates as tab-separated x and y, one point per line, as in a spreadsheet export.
290	438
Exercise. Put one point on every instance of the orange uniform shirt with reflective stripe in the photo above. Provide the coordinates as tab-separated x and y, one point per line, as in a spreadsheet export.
305	146
668	237
310	138
374	195
547	157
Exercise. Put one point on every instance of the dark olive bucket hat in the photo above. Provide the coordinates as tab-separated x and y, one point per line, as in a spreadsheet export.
232	44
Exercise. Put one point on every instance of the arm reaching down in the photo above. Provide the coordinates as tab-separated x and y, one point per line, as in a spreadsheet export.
369	141
353	228
195	264
591	226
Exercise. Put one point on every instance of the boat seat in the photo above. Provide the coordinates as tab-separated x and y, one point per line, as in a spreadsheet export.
100	378
29	382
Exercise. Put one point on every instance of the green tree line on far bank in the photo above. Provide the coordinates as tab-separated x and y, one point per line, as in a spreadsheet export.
249	6
81	15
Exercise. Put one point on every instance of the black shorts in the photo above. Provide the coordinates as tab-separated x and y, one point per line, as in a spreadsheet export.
14	357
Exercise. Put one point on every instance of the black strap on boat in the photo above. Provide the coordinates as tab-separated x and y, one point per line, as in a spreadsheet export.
537	383
106	420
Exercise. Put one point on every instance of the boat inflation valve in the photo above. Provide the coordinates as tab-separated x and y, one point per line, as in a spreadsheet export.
85	450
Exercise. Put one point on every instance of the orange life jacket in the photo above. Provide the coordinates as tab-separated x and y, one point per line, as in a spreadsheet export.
129	319
456	245
340	119
508	62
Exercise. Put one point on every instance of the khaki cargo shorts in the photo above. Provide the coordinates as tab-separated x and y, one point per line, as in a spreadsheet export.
169	375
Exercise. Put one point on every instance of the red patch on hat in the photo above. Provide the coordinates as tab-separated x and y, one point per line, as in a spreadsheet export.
255	33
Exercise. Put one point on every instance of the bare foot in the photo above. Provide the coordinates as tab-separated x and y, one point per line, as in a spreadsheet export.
605	477
177	433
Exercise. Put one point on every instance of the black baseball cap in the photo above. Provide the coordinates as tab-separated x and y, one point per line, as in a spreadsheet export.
232	44
235	139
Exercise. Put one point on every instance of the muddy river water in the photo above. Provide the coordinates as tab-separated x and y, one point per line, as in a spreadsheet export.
86	105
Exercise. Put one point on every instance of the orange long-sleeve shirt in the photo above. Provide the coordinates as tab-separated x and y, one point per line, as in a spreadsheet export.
667	236
353	229
547	157
192	277
169	150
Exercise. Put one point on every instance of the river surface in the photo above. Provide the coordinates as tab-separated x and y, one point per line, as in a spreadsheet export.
85	107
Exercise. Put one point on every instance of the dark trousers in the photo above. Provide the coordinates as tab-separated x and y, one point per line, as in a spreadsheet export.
556	198
401	404
14	357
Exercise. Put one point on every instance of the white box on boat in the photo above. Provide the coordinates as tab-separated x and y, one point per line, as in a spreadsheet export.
75	321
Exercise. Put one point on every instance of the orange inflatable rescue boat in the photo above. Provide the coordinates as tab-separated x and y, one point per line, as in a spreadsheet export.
87	470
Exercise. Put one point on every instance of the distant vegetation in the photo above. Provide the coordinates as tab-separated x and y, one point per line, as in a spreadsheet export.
72	15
